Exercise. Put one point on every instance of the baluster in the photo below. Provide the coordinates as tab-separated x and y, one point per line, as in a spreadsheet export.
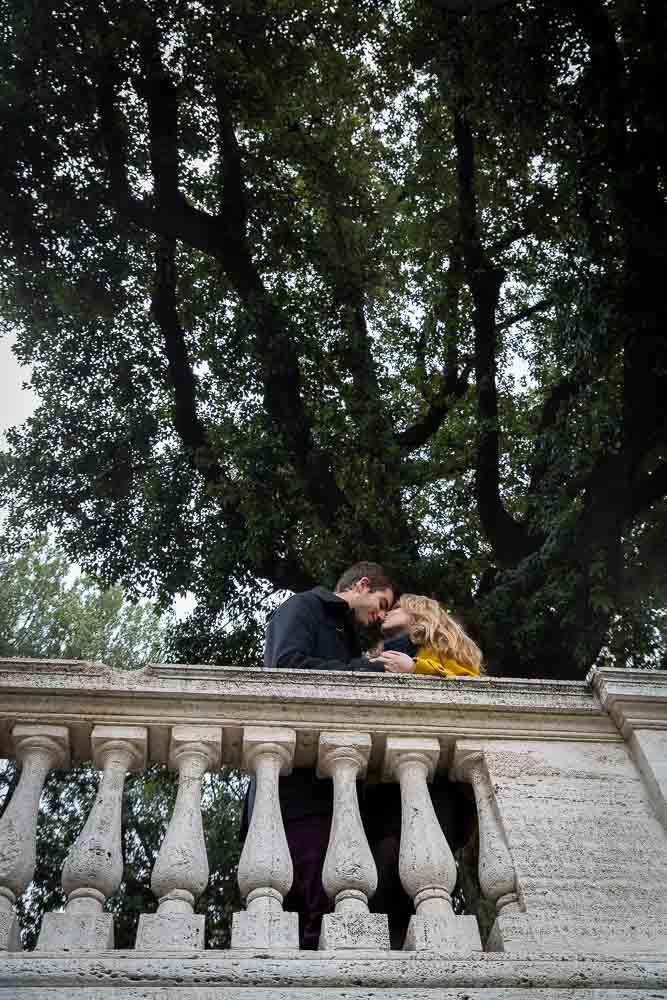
181	870
94	866
497	876
349	875
426	864
265	869
38	749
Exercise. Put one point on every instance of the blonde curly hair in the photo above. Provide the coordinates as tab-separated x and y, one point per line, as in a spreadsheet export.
433	626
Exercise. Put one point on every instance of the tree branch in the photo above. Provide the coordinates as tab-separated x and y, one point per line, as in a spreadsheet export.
517	233
509	538
525	314
276	355
453	387
176	217
561	393
454	383
647	491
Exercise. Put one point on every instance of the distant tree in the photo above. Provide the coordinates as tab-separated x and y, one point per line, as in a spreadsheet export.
304	282
48	609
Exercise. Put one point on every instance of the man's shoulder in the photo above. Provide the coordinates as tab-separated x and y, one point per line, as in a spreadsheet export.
317	600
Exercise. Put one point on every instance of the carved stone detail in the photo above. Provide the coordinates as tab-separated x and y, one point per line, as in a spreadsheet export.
265	868
497	877
181	870
38	748
426	864
94	866
349	875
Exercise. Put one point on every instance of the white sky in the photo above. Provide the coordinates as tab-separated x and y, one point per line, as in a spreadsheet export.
16	403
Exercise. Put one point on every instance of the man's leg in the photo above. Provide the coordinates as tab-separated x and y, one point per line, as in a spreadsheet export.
390	897
308	839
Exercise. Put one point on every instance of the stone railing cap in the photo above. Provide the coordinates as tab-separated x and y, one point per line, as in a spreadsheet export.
635	699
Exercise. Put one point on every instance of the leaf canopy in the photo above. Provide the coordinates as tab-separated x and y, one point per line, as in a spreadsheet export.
303	283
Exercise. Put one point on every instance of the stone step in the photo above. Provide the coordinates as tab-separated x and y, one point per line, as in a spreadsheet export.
326	976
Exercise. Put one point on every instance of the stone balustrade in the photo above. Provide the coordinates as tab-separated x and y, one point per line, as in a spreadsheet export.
569	779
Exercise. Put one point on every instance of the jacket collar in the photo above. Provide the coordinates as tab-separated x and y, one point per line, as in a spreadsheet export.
332	601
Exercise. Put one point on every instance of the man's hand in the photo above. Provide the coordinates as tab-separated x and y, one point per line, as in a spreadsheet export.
396	663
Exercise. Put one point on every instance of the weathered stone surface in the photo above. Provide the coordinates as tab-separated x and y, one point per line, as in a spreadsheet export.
649	749
181	870
270	929
589	853
10	937
265	867
165	695
349	875
426	864
576	798
76	932
448	935
497	875
225	993
311	975
637	702
172	931
342	931
38	748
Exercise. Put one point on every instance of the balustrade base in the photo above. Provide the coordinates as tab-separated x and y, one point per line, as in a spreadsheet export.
265	929
219	975
447	935
354	930
10	938
175	931
76	932
567	934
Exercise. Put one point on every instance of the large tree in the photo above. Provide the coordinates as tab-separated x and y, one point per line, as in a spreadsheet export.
305	282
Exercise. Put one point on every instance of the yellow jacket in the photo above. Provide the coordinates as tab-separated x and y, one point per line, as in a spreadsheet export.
429	661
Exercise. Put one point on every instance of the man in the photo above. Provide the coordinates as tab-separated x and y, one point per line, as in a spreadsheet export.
316	630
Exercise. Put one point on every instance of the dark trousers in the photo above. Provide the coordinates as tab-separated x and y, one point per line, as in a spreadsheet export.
308	838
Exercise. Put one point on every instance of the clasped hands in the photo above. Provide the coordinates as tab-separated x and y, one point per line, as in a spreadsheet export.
395	662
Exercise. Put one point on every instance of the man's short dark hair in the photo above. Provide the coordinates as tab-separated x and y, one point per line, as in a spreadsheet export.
377	578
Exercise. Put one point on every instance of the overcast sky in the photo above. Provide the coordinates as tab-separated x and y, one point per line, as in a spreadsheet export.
16	403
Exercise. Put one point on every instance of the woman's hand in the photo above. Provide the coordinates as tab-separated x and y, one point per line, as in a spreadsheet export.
396	663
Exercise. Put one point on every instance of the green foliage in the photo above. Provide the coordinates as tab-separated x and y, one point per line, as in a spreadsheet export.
47	609
302	283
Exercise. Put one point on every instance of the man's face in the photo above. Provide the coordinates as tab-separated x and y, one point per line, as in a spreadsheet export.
372	605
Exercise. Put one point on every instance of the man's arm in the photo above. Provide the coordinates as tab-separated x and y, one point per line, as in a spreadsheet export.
291	637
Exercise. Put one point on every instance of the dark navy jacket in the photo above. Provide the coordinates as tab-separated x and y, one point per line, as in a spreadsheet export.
314	630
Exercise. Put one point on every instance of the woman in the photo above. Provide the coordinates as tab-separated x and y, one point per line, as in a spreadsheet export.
419	632
421	629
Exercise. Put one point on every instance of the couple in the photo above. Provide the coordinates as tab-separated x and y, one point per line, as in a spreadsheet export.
317	630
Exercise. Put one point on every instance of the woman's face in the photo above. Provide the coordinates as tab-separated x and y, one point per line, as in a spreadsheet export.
397	620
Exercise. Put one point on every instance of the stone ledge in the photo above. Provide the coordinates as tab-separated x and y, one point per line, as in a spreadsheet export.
218	974
81	695
635	699
294	993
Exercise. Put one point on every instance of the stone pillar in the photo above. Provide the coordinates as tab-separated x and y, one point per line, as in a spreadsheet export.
37	748
637	702
426	865
349	875
497	877
94	866
265	868
181	870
